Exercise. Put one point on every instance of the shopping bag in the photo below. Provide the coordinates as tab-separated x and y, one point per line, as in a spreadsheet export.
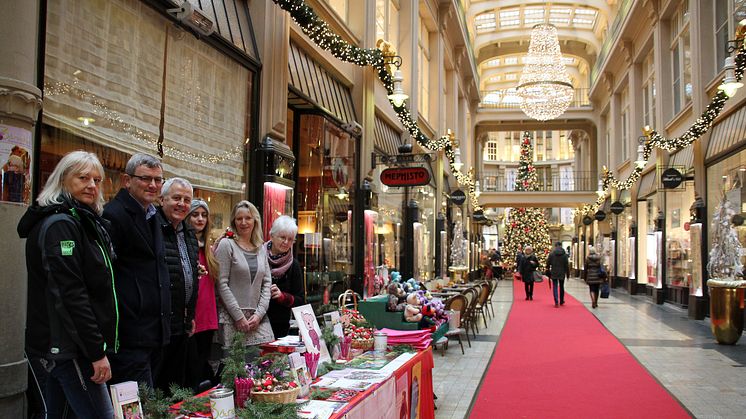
517	276
605	290
538	277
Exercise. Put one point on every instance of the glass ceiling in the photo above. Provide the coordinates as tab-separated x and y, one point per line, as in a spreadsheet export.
562	16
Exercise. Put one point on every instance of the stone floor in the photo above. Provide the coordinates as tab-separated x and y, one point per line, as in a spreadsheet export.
680	353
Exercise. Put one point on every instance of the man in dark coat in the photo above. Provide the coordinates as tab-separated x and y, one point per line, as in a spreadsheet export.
558	267
141	276
182	259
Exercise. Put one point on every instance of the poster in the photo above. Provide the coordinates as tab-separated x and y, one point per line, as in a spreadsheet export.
695	232
631	257
15	157
414	391
309	331
402	396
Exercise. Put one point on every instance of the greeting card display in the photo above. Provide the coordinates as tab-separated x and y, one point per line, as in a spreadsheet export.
126	400
309	331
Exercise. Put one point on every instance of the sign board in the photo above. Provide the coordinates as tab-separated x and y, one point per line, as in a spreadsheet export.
587	220
617	207
458	197
600	215
405	176
671	178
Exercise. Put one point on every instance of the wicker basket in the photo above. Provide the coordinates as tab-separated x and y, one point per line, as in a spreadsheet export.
284	396
364	344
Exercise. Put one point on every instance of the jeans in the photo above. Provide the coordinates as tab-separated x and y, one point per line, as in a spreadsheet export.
558	284
68	387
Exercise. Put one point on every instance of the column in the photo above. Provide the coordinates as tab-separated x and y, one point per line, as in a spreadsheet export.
20	102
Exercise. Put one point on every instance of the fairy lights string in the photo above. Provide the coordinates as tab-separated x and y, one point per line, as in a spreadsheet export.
115	121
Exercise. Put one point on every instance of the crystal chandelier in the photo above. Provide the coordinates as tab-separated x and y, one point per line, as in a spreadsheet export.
544	86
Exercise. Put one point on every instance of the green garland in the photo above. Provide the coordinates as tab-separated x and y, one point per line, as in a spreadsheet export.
319	394
256	410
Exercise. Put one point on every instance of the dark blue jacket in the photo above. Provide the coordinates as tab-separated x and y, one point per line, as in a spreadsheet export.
558	264
142	280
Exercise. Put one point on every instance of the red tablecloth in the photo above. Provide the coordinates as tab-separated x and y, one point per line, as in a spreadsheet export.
420	367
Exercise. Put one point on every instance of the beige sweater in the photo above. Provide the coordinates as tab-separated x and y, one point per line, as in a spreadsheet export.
239	294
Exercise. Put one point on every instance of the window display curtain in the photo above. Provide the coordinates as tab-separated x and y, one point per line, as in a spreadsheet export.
105	61
274	204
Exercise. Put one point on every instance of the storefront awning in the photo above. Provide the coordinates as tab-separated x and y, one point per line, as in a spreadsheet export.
311	85
648	184
727	135
387	139
683	159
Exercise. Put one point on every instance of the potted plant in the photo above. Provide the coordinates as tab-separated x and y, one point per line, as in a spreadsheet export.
726	284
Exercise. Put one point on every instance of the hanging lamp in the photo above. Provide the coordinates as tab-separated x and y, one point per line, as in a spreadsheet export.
544	87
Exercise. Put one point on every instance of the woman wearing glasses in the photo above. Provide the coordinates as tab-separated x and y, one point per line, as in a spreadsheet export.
287	277
244	280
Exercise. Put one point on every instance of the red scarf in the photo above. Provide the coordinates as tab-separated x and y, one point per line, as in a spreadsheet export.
280	263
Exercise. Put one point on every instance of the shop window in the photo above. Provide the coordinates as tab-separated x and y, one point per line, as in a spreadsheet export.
324	195
728	178
678	243
387	22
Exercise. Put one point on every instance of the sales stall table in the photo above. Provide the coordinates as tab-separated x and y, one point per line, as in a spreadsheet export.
409	387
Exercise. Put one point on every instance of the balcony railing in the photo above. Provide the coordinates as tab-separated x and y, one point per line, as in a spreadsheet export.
508	99
555	182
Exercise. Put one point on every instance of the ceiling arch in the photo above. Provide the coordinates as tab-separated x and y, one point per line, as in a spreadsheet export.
524	35
478	7
568	47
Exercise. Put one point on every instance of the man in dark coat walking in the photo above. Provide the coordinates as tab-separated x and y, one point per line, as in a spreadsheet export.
558	268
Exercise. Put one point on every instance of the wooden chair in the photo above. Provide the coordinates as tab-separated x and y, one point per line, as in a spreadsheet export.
466	318
458	304
484	293
489	298
472	309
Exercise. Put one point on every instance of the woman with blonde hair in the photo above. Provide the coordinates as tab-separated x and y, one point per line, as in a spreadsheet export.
72	316
244	279
592	274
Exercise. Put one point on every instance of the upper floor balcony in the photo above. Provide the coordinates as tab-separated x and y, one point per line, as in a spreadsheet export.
564	189
509	99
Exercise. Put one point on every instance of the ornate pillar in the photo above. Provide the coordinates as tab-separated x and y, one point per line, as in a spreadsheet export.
20	102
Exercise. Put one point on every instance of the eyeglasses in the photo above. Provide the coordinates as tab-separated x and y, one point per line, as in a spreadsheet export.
149	179
285	239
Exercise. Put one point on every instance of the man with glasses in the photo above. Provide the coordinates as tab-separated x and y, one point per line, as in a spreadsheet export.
140	273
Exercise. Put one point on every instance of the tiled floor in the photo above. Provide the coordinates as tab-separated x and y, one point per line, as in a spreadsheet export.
707	378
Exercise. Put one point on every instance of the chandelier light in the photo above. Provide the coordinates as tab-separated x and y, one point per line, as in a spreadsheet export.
545	87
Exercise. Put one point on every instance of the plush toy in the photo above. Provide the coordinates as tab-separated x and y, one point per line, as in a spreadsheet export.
412	310
395	296
428	310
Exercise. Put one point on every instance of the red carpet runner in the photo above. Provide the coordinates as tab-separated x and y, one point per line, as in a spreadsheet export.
562	363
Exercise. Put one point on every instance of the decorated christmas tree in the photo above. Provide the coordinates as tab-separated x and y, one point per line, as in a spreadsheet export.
725	260
526	226
458	245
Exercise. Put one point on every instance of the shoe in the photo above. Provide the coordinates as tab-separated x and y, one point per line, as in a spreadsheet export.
526	298
562	303
556	306
531	298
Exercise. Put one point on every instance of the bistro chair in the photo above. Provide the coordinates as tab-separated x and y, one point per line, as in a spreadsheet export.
458	304
489	298
472	309
484	293
466	318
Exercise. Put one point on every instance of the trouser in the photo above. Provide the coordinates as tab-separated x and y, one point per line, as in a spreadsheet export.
68	390
135	364
198	354
172	369
558	284
529	287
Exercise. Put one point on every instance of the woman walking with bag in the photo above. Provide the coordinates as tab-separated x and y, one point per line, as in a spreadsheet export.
528	266
593	274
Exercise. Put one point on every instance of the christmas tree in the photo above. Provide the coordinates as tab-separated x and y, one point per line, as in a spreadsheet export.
725	260
526	226
458	245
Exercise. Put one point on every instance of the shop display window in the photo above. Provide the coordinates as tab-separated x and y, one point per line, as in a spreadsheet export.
727	177
678	241
325	192
424	240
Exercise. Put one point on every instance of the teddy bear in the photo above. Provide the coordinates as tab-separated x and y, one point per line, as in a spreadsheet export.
412	310
396	295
